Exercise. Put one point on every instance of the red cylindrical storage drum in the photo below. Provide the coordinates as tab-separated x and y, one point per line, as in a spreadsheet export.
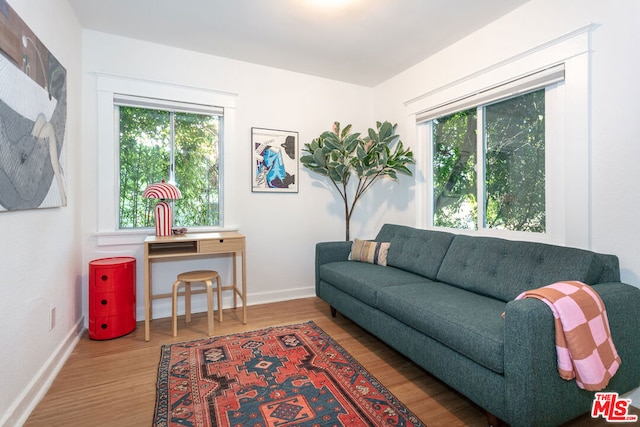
112	297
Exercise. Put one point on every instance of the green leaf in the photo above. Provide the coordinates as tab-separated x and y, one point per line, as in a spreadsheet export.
346	130
315	144
351	142
319	156
373	136
334	175
336	128
385	154
403	169
307	159
325	135
343	170
350	137
385	131
333	144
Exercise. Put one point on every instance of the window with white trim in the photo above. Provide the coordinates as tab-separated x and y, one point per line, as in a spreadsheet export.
176	142
116	90
488	156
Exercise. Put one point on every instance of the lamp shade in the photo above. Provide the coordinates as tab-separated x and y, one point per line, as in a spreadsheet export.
162	190
162	209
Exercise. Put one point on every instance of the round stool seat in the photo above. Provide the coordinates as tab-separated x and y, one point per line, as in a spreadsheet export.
197	275
186	278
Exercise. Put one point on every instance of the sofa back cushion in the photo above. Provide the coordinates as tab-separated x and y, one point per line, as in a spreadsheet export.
503	269
415	250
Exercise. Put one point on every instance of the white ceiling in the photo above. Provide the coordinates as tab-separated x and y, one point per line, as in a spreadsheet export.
358	41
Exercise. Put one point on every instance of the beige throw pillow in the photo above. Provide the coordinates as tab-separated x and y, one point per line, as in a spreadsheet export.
368	251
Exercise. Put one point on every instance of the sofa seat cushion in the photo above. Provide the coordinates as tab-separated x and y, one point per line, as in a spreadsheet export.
362	280
466	322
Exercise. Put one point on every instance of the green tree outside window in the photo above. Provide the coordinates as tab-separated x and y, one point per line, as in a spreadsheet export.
512	137
157	145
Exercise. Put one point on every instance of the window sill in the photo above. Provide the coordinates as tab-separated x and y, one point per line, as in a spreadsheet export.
136	237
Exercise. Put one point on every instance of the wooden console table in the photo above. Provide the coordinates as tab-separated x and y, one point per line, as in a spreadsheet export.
193	245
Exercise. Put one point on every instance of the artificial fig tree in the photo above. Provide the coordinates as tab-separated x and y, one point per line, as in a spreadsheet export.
339	154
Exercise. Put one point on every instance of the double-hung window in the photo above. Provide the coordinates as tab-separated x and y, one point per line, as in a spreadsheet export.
488	156
176	142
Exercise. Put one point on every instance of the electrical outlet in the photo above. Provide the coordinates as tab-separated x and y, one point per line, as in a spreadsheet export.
52	318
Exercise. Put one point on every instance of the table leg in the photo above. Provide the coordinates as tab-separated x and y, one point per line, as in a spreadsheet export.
235	282
244	288
147	293
150	293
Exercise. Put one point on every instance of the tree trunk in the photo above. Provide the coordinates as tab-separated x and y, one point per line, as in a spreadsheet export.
346	228
347	220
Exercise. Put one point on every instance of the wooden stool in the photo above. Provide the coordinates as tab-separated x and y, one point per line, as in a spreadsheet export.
187	278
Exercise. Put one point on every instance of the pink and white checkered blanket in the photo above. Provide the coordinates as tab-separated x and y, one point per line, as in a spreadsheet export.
583	339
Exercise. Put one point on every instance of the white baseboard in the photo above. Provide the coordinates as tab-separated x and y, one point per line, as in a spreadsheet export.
287	295
162	307
26	402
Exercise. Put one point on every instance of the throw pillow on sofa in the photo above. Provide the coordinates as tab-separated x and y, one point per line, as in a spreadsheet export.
368	251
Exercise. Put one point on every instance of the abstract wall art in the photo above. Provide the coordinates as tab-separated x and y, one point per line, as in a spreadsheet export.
275	160
33	116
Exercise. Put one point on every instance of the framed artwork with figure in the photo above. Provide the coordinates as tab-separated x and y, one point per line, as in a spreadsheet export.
275	160
33	118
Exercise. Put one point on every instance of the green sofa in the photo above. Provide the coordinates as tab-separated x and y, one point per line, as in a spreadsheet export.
440	300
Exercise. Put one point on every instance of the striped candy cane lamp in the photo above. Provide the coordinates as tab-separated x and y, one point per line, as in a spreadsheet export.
162	210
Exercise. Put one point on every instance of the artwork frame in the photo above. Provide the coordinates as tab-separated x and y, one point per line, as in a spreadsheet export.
275	160
33	119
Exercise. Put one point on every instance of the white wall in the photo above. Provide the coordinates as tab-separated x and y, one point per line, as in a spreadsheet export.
281	229
45	252
613	187
40	250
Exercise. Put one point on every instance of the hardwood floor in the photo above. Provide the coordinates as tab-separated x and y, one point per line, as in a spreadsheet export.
112	383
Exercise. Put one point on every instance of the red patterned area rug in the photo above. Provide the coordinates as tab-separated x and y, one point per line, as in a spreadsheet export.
285	376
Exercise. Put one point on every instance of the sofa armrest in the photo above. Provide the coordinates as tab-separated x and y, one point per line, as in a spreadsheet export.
621	302
533	386
327	252
529	359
